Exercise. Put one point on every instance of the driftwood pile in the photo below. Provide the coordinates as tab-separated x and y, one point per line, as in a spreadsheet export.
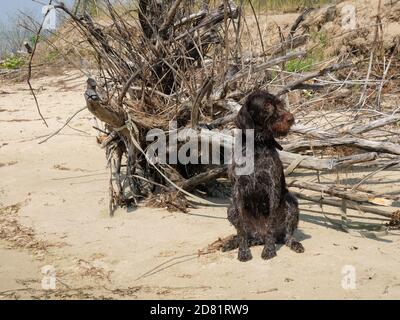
184	62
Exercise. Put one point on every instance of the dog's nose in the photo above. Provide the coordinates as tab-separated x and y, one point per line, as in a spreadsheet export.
290	118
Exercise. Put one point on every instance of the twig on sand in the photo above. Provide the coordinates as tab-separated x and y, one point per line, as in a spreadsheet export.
30	66
64	125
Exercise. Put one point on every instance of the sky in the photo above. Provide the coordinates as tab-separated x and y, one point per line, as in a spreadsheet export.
10	8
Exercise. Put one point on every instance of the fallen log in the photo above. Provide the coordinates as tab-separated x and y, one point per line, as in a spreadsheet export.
331	164
377	146
203	178
213	18
311	132
294	85
336	191
354	129
306	162
339	204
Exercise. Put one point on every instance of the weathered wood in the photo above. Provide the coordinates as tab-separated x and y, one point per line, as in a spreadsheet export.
338	204
212	19
332	164
311	132
377	146
226	140
192	18
170	17
333	190
298	21
353	129
294	85
256	69
359	129
204	177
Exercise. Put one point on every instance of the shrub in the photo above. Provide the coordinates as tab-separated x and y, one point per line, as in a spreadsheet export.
14	62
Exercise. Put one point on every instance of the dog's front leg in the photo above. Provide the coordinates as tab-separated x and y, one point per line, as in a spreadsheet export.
269	250
244	253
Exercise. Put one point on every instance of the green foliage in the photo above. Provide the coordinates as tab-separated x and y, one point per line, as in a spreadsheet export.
317	54
14	62
88	6
33	40
300	65
308	94
52	56
321	38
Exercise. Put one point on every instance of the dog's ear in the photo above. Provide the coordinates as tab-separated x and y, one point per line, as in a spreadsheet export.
244	120
271	104
269	109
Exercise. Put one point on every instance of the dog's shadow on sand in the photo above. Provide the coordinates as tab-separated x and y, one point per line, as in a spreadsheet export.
300	236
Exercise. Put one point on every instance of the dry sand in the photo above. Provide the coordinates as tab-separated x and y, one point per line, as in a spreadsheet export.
54	200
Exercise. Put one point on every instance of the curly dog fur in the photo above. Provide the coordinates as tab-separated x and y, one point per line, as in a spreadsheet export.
263	211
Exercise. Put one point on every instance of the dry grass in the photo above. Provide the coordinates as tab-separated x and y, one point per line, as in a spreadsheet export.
18	235
287	5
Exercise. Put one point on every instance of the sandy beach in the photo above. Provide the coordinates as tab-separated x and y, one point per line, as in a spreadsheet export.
54	214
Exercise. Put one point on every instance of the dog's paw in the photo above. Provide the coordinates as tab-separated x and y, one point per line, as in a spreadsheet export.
297	247
244	255
268	253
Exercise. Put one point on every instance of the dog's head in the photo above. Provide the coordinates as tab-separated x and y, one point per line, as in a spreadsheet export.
266	114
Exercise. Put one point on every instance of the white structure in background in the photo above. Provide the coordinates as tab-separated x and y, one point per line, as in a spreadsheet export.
50	14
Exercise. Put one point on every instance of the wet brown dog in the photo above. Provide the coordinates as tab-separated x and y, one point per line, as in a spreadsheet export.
263	211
